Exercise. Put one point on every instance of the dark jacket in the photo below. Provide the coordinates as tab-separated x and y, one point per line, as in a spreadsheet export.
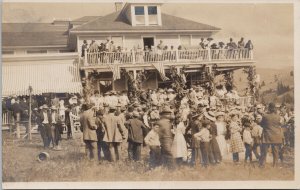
40	117
135	130
272	132
88	125
165	127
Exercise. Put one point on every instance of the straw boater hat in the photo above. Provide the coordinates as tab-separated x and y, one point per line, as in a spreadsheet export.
220	114
234	112
107	93
45	106
259	106
210	115
53	108
170	90
166	110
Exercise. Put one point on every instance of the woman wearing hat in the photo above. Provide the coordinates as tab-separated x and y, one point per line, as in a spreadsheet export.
236	142
221	132
179	147
215	154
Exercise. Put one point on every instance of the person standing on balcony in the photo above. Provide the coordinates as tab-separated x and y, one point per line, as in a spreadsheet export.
93	49
241	43
112	47
83	48
202	44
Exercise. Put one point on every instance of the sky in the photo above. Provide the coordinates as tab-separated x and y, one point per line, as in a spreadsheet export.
269	26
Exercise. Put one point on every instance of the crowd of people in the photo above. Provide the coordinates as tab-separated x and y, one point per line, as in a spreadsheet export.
163	52
211	125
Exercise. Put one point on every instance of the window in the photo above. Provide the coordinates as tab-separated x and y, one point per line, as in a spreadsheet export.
8	52
139	10
152	10
36	51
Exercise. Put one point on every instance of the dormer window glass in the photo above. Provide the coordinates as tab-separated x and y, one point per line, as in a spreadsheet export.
139	15
139	10
152	10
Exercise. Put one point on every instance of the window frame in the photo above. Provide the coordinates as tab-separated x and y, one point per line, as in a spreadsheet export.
152	6
135	11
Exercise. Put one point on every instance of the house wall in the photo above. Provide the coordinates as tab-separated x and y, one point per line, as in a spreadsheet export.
133	41
168	40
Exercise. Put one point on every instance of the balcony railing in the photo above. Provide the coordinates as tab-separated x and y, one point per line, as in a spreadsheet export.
139	57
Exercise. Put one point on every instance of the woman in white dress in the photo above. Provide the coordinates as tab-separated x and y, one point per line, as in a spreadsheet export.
179	147
221	132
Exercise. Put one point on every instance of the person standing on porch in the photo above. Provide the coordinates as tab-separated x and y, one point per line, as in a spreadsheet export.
83	48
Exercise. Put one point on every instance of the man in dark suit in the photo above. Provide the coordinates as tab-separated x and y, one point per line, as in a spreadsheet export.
135	136
166	137
44	121
271	135
88	127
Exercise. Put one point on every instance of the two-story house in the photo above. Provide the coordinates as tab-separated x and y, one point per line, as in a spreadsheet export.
47	56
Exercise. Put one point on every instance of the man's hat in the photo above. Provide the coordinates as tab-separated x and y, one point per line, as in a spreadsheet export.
166	110
170	90
259	106
45	106
136	114
113	92
210	115
112	108
53	108
107	93
220	114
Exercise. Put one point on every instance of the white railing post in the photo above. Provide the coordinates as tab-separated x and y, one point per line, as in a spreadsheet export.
251	54
133	57
177	55
209	54
85	58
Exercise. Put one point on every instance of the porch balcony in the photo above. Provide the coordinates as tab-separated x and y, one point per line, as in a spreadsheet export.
229	57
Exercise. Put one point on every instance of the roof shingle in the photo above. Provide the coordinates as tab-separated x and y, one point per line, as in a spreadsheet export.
116	21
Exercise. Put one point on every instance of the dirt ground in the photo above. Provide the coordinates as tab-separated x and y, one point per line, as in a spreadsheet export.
20	165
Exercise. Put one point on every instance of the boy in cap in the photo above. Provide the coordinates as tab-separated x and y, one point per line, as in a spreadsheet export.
248	141
152	140
204	137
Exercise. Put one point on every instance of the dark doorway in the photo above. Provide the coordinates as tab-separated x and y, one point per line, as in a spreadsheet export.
149	41
105	86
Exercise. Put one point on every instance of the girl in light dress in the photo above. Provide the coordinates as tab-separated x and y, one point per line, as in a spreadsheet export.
179	147
221	132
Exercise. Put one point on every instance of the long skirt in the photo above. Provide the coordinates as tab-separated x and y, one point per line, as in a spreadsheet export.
222	145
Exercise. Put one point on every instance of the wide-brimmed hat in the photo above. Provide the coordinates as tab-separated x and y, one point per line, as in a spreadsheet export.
113	92
234	112
259	106
161	91
53	108
136	114
210	115
45	106
166	110
112	108
107	93
170	90
220	114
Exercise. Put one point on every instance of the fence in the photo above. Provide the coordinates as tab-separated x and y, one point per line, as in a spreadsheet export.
133	57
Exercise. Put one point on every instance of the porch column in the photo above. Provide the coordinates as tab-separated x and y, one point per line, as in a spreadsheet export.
209	54
85	58
178	70
133	57
134	74
177	55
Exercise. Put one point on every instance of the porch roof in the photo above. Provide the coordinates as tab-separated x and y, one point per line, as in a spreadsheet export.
44	78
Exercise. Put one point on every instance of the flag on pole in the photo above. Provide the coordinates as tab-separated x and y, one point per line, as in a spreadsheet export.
160	67
115	68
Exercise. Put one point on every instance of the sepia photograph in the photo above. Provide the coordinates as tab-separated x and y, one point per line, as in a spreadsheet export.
147	91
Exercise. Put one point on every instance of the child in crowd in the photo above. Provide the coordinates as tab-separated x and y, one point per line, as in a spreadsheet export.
248	141
152	140
204	137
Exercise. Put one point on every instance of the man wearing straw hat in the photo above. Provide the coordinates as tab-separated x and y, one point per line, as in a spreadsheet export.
44	120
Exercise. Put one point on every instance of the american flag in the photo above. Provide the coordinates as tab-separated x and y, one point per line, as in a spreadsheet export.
160	67
115	68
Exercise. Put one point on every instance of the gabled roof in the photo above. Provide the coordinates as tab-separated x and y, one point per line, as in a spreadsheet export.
86	18
34	34
117	22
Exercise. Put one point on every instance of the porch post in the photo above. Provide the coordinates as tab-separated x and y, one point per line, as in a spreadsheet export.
134	74
85	58
209	54
178	70
177	55
133	57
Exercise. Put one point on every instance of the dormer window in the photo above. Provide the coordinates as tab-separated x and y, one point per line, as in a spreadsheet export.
145	15
139	15
152	15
